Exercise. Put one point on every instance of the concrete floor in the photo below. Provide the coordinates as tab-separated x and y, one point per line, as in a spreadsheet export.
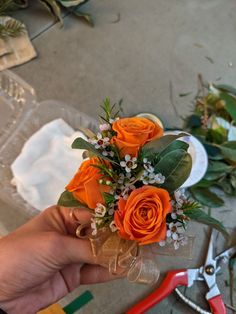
156	43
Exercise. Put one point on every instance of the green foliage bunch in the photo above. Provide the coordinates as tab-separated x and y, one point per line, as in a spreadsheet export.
213	122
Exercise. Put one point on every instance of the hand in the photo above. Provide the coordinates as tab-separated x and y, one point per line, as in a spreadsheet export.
42	261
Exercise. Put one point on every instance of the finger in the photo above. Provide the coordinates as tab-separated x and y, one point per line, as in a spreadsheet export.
71	276
80	215
74	250
67	219
57	218
76	274
90	274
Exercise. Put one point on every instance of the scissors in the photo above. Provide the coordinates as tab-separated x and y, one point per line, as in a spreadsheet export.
187	277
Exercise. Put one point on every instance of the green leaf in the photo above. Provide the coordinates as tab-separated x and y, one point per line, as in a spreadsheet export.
80	143
226	88
160	144
204	183
216	170
212	150
218	166
226	186
206	197
54	8
216	157
230	104
176	167
228	150
174	146
212	176
200	216
67	200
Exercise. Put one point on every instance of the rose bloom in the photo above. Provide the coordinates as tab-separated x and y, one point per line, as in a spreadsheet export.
133	133
85	185
142	218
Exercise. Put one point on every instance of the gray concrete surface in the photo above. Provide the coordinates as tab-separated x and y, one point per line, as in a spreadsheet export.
155	44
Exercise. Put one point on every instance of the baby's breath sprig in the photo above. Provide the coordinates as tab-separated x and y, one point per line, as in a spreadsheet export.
101	142
177	221
102	218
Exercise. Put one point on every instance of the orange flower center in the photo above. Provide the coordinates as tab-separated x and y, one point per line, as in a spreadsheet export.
143	213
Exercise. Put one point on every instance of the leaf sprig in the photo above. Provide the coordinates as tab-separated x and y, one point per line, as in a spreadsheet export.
213	122
10	28
112	112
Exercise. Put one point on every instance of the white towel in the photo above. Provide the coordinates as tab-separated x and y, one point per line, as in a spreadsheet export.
46	164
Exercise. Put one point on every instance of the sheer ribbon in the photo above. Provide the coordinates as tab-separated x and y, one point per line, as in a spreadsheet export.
120	256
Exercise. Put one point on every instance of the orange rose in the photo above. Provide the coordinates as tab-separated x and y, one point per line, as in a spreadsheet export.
132	133
85	184
142	217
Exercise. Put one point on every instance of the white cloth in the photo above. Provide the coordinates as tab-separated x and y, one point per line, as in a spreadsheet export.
46	164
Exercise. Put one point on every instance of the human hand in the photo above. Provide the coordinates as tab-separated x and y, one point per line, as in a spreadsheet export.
42	261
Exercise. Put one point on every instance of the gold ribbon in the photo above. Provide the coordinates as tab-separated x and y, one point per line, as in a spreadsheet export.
120	256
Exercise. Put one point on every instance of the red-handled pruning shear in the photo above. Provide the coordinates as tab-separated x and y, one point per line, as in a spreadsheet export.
187	277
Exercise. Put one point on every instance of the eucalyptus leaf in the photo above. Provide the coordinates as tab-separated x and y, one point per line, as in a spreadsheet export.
176	167
218	166
216	157
230	104
228	150
226	186
200	216
204	183
206	197
160	144
233	180
212	176
67	200
217	170
80	143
